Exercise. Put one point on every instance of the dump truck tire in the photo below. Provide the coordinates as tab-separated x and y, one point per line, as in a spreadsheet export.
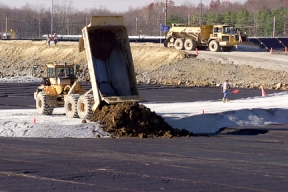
190	44
84	106
214	46
179	44
167	42
70	105
41	104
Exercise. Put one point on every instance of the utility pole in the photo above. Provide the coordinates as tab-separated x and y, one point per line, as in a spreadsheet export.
52	18
200	18
39	32
6	29
166	14
136	26
285	17
274	27
68	33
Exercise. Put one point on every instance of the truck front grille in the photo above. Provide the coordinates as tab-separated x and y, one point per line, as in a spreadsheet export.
225	38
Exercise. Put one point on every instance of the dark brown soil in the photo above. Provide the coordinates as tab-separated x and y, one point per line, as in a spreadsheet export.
131	119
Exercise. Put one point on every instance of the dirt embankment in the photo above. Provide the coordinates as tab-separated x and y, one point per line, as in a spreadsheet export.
18	57
153	64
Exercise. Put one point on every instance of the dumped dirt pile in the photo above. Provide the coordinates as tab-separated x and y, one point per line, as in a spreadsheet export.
134	120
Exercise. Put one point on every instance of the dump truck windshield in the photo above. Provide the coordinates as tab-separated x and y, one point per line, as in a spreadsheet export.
69	71
229	30
59	71
226	29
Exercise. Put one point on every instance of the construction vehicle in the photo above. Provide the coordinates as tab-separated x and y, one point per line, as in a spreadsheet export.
110	67
57	89
13	34
214	37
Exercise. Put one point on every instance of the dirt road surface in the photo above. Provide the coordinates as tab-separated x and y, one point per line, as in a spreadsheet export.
275	61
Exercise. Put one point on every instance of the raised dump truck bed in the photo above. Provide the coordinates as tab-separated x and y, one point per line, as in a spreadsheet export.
110	62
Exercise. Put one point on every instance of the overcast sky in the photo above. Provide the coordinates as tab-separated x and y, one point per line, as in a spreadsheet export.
112	5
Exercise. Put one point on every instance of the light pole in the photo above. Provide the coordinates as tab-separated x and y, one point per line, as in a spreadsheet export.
52	18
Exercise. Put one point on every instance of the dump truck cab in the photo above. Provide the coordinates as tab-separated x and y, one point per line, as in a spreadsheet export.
60	74
226	36
60	81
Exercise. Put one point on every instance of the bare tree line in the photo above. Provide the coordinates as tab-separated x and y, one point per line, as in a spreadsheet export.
32	21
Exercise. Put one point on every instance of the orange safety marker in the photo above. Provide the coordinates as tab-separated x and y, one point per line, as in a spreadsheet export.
263	91
271	50
235	91
202	111
196	51
34	120
286	50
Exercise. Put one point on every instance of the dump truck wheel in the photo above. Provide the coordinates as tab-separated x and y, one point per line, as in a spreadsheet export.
167	42
84	106
41	104
190	44
70	105
214	46
179	44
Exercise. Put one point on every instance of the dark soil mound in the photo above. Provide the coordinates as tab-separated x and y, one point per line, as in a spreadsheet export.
131	119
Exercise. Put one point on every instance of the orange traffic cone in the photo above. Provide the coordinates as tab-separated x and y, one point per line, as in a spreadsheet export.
286	50
34	120
196	51
271	50
263	91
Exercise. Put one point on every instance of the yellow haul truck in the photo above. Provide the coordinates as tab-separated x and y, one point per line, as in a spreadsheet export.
214	37
111	70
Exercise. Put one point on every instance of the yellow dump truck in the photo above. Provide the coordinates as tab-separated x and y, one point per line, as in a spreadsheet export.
214	37
109	58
